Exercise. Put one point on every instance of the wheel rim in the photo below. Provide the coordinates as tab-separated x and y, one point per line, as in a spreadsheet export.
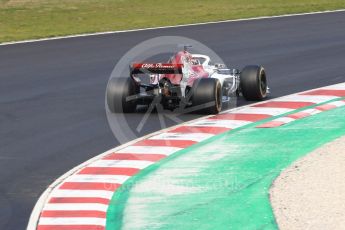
218	97
263	84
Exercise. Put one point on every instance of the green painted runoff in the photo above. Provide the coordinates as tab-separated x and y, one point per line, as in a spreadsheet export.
223	182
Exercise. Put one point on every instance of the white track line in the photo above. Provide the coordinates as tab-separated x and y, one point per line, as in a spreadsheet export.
76	207
337	103
117	179
230	124
307	98
182	136
339	86
72	221
137	164
167	27
60	193
312	111
263	110
284	119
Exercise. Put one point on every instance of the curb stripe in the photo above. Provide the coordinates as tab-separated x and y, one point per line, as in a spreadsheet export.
328	92
70	227
271	124
109	171
200	129
240	116
135	156
78	213
170	143
89	188
79	200
325	107
299	115
285	104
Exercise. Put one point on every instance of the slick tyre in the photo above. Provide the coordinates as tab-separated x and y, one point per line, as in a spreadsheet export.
253	83
207	95
121	95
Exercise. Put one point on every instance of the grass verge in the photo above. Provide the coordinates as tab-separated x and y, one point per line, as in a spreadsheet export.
31	19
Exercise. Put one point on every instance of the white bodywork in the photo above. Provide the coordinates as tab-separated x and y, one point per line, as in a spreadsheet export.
229	78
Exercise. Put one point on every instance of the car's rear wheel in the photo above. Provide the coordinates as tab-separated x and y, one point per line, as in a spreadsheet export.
253	83
207	95
121	95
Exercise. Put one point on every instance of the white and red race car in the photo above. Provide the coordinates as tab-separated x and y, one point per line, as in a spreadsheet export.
185	81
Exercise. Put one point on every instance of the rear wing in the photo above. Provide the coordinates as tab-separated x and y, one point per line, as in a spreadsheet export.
155	68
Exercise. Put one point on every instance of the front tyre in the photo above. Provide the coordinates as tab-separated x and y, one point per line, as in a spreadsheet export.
121	95
207	95
253	83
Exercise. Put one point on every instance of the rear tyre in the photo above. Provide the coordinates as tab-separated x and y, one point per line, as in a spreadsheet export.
207	95
121	95
253	83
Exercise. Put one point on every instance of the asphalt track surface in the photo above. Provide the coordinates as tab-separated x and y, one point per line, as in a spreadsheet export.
52	114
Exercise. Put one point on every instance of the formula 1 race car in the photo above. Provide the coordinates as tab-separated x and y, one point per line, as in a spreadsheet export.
185	81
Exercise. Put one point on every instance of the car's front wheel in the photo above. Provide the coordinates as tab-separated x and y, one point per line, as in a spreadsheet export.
253	83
